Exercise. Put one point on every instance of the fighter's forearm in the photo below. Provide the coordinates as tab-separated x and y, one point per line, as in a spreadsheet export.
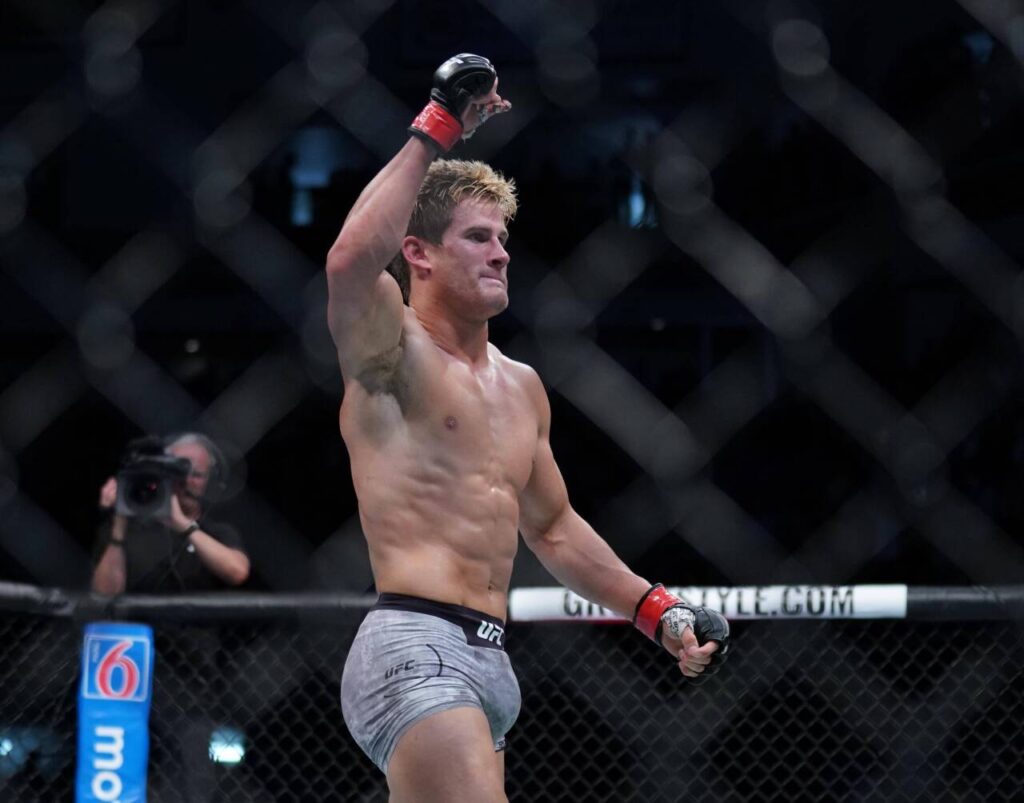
374	229
396	166
581	560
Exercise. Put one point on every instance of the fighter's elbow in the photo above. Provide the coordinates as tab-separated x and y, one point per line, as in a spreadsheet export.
339	259
545	525
544	535
356	251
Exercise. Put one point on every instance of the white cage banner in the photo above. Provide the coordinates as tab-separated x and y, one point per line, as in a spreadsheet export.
736	602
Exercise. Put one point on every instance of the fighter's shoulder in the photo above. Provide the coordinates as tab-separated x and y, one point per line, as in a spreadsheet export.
520	373
416	340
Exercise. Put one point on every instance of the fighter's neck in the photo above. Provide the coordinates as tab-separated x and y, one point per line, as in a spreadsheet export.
465	340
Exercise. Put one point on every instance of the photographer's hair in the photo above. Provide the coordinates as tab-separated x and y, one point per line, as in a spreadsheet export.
448	183
218	479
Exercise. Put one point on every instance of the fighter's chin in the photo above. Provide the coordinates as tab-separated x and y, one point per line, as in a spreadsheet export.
494	298
497	302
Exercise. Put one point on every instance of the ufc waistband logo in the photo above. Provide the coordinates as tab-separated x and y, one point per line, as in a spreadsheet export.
489	631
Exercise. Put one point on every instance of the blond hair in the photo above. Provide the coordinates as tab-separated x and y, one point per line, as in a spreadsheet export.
448	183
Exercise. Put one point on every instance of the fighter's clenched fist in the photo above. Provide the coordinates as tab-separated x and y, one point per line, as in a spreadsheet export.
463	97
697	636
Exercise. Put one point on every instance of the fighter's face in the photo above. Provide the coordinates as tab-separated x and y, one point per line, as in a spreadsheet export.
194	485
472	264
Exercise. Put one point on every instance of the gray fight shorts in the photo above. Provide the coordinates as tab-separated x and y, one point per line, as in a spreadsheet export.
413	658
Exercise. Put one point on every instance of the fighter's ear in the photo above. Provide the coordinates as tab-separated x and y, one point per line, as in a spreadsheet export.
417	255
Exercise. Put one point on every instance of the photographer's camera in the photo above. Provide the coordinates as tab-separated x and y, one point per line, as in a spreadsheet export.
146	478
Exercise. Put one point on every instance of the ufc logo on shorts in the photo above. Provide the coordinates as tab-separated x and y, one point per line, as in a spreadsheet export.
489	631
403	667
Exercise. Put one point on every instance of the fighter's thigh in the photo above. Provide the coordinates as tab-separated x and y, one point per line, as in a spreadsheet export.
447	758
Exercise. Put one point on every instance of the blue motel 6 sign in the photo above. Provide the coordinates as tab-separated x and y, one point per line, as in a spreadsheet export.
113	713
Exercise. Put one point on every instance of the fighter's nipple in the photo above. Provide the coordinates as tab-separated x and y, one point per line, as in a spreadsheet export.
451	422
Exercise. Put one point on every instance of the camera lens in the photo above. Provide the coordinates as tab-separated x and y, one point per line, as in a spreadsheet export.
143	493
144	490
145	485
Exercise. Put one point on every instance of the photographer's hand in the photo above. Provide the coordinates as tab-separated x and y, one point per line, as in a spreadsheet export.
230	565
176	520
108	494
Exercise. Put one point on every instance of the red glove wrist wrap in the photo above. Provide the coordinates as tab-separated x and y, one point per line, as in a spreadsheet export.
650	608
437	124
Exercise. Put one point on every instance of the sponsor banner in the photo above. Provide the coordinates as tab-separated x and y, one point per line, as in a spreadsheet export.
113	713
736	602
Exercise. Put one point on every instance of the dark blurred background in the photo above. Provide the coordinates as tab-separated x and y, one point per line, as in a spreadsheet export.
767	262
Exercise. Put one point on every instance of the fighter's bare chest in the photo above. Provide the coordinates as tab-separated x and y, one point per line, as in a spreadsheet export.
481	416
445	417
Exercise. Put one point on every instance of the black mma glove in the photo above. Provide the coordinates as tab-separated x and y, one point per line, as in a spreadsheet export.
658	609
456	83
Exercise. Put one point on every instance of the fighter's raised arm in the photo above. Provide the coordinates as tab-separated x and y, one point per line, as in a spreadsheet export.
365	304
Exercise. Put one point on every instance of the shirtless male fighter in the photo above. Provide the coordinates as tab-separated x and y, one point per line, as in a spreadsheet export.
448	441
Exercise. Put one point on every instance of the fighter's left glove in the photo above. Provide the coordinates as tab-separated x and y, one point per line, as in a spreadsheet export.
659	610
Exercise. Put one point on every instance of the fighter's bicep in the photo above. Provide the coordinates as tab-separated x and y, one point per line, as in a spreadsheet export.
365	320
545	498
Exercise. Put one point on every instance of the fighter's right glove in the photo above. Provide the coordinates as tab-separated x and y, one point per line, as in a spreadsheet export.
659	609
456	83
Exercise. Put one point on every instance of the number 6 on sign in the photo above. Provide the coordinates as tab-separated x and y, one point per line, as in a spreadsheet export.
113	713
115	660
116	667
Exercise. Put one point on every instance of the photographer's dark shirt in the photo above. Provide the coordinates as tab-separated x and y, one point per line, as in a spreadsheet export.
159	560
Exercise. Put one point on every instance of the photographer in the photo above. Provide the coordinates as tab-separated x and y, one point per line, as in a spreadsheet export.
158	538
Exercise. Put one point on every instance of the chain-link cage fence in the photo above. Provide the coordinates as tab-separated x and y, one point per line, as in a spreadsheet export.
826	710
767	264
